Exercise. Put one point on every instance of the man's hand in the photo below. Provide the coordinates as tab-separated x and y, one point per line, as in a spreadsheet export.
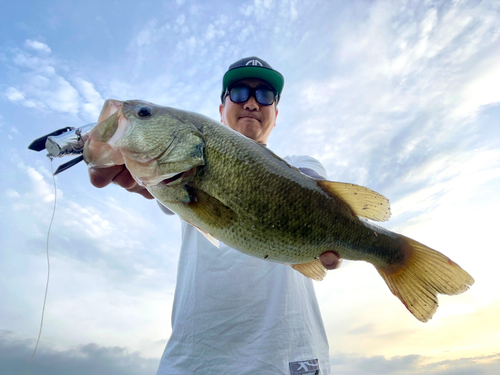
119	175
331	260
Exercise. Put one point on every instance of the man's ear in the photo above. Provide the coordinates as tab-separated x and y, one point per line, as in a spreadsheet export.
221	109
276	116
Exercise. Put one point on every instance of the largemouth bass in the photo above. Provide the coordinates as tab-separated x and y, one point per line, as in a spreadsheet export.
237	191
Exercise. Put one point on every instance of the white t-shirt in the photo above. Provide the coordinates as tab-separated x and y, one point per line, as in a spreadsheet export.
235	314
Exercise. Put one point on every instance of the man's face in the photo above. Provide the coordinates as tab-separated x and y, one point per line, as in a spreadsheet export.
251	119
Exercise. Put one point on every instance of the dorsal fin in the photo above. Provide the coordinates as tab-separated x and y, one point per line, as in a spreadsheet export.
364	202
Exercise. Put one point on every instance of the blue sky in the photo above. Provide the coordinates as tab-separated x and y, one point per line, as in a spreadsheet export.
399	96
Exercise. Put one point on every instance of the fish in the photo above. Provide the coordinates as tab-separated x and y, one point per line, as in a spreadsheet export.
237	191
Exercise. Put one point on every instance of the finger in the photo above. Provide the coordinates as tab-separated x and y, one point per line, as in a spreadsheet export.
142	191
331	260
101	177
124	179
119	175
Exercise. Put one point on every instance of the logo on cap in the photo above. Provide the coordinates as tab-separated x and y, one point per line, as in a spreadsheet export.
254	63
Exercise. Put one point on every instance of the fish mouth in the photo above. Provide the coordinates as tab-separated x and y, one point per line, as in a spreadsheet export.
165	180
174	178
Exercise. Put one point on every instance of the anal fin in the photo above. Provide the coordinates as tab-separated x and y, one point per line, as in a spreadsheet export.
214	241
314	270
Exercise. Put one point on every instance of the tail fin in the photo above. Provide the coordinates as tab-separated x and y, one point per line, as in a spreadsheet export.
426	274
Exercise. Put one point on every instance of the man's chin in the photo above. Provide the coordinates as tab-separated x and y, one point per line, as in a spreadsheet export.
250	130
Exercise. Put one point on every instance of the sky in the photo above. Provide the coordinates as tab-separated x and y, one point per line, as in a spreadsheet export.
400	96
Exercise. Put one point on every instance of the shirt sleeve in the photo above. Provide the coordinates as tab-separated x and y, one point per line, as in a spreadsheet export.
307	162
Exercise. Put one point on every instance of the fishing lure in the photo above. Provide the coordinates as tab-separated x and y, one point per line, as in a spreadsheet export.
63	142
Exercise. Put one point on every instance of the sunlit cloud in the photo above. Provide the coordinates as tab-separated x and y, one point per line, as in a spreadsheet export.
480	92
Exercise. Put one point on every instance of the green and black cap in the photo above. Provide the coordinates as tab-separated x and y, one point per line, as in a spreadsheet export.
252	67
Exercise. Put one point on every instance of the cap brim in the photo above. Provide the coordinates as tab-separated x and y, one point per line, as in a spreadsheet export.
274	78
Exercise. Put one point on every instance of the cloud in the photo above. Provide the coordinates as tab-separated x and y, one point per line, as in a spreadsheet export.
292	9
244	33
61	96
112	264
83	359
12	193
181	19
261	9
484	364
43	85
188	45
399	84
37	46
482	91
414	364
147	35
42	191
91	99
213	32
14	94
448	177
105	228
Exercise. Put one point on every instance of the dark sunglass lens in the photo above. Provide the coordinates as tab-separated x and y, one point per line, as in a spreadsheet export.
264	96
239	94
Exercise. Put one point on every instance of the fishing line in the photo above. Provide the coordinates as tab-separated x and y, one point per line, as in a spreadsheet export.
48	264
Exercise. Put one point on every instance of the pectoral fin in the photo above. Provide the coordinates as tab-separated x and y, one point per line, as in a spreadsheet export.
364	202
209	209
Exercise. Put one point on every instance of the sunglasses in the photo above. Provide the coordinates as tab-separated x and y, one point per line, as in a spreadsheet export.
241	93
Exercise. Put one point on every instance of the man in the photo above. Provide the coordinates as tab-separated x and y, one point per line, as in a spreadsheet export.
234	314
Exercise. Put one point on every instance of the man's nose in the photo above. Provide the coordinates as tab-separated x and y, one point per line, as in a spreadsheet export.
251	104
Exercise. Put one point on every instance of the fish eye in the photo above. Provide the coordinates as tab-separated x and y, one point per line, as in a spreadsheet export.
144	111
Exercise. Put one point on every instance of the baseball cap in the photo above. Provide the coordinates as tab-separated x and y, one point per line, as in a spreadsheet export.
252	67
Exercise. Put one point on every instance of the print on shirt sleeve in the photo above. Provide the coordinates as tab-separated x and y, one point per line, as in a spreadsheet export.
309	367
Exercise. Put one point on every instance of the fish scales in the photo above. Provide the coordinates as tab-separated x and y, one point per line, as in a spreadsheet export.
237	191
